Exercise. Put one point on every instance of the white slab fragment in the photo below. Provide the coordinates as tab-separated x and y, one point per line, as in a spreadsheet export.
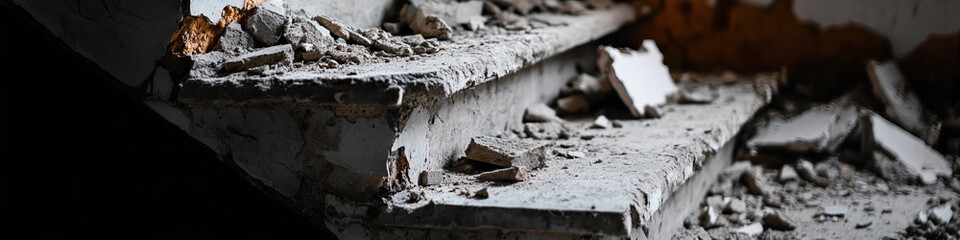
640	77
903	147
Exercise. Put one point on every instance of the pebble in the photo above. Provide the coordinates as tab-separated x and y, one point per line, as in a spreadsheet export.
928	178
865	221
778	221
834	211
922	217
787	173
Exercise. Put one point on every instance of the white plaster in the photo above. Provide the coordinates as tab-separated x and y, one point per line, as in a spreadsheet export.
212	8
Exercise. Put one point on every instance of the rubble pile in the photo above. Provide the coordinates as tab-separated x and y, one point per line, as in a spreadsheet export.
836	166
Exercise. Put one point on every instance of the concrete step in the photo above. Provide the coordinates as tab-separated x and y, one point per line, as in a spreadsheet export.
633	182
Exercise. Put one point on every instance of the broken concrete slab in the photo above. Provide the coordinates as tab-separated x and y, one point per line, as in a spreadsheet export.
819	130
512	174
234	39
901	104
506	153
640	78
899	152
268	22
540	112
261	57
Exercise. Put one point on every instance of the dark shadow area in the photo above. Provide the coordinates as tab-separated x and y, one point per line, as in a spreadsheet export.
85	160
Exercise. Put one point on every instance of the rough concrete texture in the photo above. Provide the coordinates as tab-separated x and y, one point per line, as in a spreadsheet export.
905	150
268	21
360	13
234	39
464	63
506	153
639	77
901	104
627	175
452	12
282	54
506	174
124	38
212	9
307	31
819	130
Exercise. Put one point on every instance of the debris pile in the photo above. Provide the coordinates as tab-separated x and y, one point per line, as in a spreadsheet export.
836	164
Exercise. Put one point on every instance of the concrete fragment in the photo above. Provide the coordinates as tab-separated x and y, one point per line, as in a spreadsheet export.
593	88
787	173
264	56
392	28
697	93
921	218
639	77
847	172
234	39
359	38
424	24
491	8
901	104
942	214
575	154
754	182
818	130
307	31
602	123
428	178
709	217
393	46
572	7
807	171
540	112
928	178
778	221
335	27
735	205
864	221
717	201
212	9
834	211
453	12
736	169
481	194
899	152
506	153
267	22
506	174
751	230
546	130
573	104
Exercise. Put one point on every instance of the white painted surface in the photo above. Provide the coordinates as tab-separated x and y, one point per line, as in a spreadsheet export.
212	8
641	78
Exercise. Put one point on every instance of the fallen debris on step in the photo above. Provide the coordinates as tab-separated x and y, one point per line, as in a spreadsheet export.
639	77
899	155
506	153
540	112
513	174
819	130
264	56
901	104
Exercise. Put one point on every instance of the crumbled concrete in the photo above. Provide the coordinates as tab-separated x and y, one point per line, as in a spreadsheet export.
540	112
234	39
335	27
268	22
507	153
427	25
513	174
709	217
779	221
602	123
640	78
453	12
265	56
901	104
787	173
735	205
212	9
921	217
750	230
304	31
819	130
900	156
548	131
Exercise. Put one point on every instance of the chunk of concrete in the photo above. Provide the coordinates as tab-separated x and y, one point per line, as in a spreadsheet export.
751	230
540	112
427	25
513	174
335	27
428	178
547	131
506	153
602	123
778	221
697	93
735	205
639	77
754	182
709	217
453	12
901	104
264	56
942	214
268	22
307	31
819	130
787	173
834	211
234	39
898	152
864	221
212	9
928	178
921	218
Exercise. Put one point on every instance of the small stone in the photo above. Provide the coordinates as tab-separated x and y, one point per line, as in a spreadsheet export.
575	154
602	123
506	174
267	22
735	206
540	112
826	170
754	183
778	221
928	178
787	173
834	211
481	194
392	28
616	123
751	230
428	26
709	217
715	201
942	214
806	171
506	153
865	221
